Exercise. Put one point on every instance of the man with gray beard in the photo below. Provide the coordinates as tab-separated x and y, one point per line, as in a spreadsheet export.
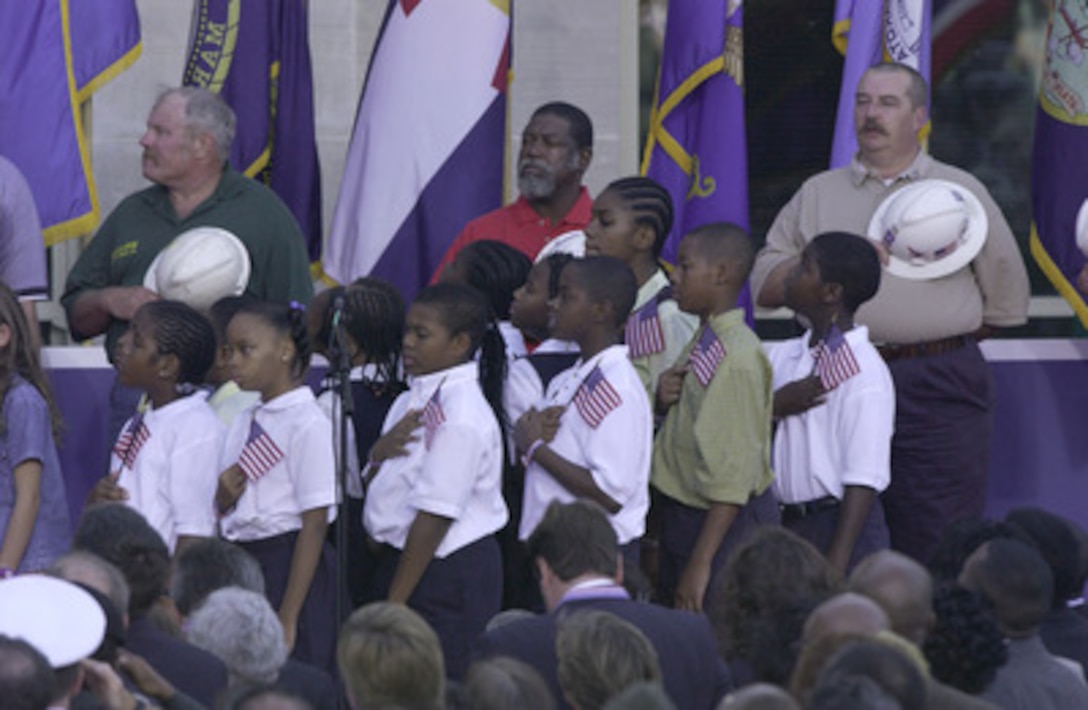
556	148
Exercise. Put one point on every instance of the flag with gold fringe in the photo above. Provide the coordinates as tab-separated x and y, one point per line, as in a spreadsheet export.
1058	179
54	55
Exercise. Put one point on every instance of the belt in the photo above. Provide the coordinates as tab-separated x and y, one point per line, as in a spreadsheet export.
932	347
797	511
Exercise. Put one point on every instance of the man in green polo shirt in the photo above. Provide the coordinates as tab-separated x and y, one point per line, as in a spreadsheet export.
185	151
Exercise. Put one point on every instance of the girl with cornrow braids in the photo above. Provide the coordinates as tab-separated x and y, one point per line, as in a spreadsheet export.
165	462
630	221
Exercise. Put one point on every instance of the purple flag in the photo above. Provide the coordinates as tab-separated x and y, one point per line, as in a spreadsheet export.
53	56
105	41
256	55
1059	186
696	143
426	153
868	32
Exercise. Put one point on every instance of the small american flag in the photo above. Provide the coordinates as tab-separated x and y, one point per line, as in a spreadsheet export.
432	417
643	333
706	356
260	453
835	361
596	397
131	440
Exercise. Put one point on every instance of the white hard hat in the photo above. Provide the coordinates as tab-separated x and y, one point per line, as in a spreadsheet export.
1082	228
62	621
931	228
199	267
572	242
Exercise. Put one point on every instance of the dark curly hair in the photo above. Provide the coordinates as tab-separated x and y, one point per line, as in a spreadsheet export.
183	331
773	571
965	647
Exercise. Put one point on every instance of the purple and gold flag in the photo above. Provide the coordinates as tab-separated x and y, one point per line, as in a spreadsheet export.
835	361
256	55
868	32
259	454
1059	185
54	53
706	356
596	397
696	144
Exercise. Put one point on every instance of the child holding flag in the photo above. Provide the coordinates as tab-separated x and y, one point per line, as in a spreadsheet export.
434	478
593	434
277	491
712	454
631	220
835	405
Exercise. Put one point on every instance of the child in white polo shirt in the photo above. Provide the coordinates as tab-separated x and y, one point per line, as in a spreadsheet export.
834	404
592	434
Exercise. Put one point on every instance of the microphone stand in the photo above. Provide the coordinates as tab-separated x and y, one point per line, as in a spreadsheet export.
340	373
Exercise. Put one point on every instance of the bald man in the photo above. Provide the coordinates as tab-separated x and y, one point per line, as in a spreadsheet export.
859	613
902	588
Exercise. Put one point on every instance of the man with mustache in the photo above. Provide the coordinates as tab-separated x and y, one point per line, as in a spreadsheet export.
556	149
927	331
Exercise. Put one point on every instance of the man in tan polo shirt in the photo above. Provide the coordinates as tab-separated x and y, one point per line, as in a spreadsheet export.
927	331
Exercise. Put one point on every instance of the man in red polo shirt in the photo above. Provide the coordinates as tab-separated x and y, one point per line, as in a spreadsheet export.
556	148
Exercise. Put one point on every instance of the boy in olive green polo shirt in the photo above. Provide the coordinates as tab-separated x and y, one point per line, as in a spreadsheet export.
711	462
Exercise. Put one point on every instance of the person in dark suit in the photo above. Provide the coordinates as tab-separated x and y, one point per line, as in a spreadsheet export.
121	536
577	556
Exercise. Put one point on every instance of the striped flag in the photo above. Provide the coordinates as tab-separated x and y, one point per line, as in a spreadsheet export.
259	454
835	362
706	356
433	417
256	55
643	333
596	397
1058	180
868	32
131	440
53	56
426	155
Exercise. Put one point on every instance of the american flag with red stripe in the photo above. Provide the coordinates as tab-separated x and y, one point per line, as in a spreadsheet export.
835	362
706	356
596	397
643	333
433	417
131	440
259	454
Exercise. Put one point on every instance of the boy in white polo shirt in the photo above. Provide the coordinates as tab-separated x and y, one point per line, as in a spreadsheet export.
592	435
834	405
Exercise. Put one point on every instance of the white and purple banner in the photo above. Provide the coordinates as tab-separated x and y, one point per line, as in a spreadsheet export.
426	155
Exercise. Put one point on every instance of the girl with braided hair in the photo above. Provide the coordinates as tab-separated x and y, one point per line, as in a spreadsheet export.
166	459
277	491
630	221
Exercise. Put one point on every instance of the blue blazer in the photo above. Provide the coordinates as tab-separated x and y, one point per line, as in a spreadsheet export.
695	677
